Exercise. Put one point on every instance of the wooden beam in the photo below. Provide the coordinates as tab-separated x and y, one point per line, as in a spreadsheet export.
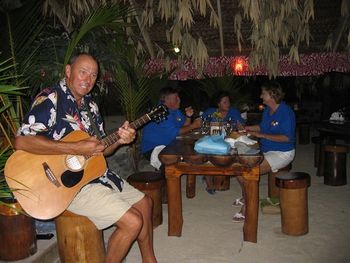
220	28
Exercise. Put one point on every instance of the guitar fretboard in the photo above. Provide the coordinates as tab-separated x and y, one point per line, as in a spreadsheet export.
114	137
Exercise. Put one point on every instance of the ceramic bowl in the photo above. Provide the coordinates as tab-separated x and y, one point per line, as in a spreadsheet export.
195	158
222	160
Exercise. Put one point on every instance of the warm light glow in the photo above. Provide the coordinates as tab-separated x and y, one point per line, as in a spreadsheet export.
238	66
176	49
261	107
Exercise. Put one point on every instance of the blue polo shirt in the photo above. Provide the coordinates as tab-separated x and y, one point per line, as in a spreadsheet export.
162	133
282	121
233	113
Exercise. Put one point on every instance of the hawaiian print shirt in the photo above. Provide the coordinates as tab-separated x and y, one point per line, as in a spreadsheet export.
55	113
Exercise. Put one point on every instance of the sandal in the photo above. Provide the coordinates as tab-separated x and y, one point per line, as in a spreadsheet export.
238	218
238	202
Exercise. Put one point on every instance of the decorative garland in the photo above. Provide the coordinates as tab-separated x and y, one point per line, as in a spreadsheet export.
310	65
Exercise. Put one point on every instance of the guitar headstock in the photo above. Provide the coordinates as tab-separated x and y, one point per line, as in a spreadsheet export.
158	113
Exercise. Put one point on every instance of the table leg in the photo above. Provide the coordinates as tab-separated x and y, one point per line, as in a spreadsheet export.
175	219
190	185
251	185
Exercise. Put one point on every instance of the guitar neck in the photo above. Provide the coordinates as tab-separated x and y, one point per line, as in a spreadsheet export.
114	137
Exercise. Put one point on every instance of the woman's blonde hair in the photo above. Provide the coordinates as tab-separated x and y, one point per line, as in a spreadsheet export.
275	90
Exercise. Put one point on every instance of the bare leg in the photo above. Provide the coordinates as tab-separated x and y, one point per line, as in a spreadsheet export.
128	228
264	168
209	181
136	223
145	238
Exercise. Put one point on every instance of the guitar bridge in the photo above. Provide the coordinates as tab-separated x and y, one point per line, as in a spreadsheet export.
50	175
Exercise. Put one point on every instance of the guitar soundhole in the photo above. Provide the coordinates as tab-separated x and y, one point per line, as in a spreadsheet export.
70	179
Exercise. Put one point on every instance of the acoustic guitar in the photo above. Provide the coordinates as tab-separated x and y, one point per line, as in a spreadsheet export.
45	185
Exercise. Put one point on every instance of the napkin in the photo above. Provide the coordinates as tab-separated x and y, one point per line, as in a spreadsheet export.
154	160
243	148
336	116
244	139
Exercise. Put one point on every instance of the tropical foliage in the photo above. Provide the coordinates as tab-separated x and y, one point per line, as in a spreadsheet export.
236	87
9	119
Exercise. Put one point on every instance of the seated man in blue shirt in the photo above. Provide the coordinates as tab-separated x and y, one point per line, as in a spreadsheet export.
163	133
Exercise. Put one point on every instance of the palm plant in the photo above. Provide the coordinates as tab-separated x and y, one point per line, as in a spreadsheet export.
233	85
135	92
9	121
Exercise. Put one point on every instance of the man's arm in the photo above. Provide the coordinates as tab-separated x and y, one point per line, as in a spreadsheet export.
41	145
194	125
126	134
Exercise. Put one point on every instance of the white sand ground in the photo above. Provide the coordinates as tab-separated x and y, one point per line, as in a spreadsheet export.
209	235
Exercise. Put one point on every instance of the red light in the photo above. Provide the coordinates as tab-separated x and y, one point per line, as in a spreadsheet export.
238	66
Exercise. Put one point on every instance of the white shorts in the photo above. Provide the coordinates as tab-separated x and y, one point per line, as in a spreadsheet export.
102	205
278	160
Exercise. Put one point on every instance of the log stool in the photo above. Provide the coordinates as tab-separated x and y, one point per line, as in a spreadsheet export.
17	233
293	202
317	141
334	170
78	239
304	133
273	190
150	183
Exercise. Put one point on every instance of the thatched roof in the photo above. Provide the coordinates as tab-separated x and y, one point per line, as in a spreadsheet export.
328	23
268	29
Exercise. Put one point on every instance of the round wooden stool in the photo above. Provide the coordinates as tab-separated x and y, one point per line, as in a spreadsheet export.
150	183
304	133
78	239
273	190
293	202
17	234
334	170
317	141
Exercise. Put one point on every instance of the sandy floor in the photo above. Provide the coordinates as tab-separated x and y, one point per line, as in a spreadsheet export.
209	235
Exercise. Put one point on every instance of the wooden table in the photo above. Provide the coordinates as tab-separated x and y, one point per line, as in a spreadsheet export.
180	158
330	131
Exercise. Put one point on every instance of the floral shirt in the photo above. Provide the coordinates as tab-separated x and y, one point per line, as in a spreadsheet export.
55	113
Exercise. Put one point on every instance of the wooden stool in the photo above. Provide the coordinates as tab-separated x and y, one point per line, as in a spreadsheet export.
317	141
150	183
293	202
17	234
304	133
221	183
273	191
78	239
320	164
334	170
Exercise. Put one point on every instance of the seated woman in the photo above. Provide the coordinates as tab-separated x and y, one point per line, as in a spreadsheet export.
226	113
276	133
